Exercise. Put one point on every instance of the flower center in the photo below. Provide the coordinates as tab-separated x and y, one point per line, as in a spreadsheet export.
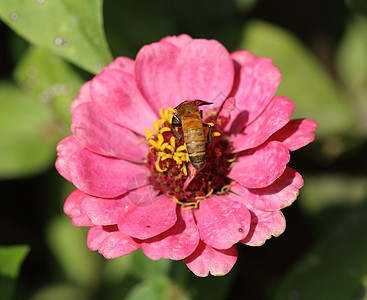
169	164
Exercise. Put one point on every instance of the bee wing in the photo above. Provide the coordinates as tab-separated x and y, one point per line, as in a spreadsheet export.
201	102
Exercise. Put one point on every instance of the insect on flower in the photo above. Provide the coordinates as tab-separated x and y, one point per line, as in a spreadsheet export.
189	117
231	192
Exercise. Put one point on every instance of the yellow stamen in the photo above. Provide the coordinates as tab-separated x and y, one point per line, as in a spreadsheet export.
156	126
160	140
158	166
184	169
211	124
180	148
170	148
206	196
156	140
153	143
168	114
166	156
164	129
216	134
173	142
186	205
177	159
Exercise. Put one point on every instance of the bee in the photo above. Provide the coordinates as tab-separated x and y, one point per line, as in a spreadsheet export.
188	116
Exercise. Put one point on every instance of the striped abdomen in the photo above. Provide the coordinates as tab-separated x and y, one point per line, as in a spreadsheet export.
195	140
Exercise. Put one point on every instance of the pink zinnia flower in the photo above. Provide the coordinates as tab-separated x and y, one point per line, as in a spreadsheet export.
136	187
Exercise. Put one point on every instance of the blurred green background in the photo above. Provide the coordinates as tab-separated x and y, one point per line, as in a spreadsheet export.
49	48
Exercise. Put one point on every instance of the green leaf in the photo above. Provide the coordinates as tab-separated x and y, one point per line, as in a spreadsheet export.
336	268
50	79
147	268
71	29
330	190
161	289
61	292
359	6
304	80
351	63
352	54
28	134
69	245
11	259
115	270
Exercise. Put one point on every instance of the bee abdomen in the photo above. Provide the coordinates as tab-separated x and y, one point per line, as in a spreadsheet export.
197	159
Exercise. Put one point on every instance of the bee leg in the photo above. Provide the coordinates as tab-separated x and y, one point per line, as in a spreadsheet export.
201	114
209	136
176	122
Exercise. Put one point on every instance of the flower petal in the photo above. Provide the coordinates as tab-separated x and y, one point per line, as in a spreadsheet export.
143	222
102	211
224	113
102	176
258	168
206	259
179	41
281	193
264	225
242	58
222	221
154	74
72	209
204	71
296	134
274	117
116	96
257	83
177	242
110	242
101	136
65	149
125	64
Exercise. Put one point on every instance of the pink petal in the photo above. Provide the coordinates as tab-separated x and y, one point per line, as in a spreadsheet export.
179	41
72	209
83	96
103	211
296	134
65	149
274	117
242	57
224	113
101	136
155	77
206	259
116	96
204	71
264	225
258	168
143	222
257	83
177	242
125	64
102	176
110	242
274	197
222	221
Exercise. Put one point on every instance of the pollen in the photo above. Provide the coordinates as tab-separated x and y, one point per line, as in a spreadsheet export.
164	144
